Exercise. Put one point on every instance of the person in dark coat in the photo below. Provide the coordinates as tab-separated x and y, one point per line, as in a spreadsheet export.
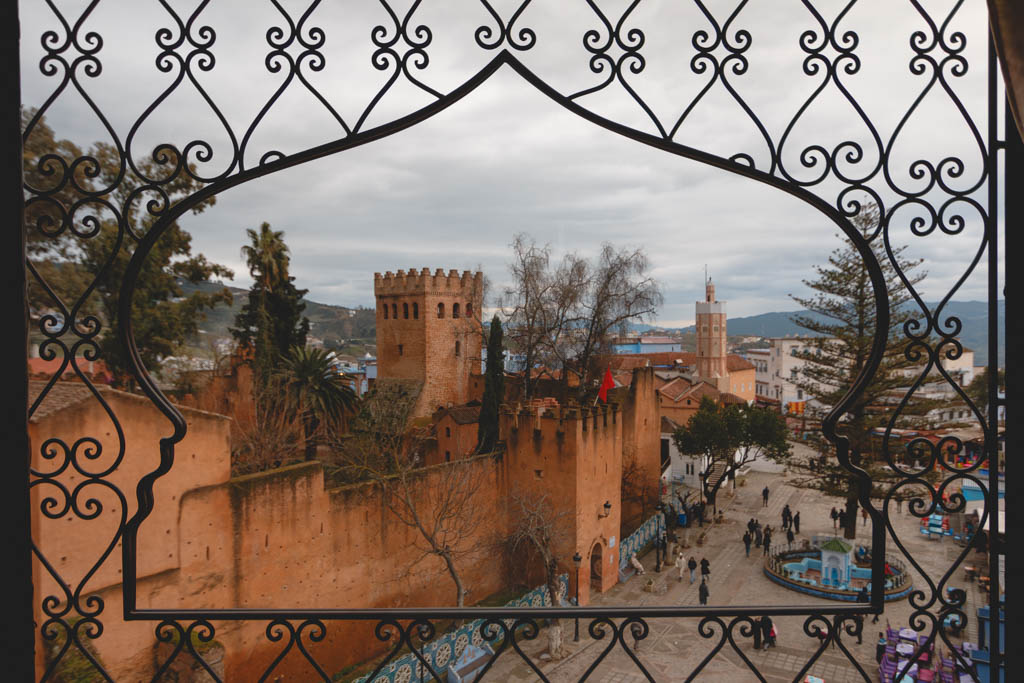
757	536
789	538
766	630
705	569
880	647
859	620
757	633
835	519
764	495
750	526
703	592
786	516
796	521
746	542
692	566
767	540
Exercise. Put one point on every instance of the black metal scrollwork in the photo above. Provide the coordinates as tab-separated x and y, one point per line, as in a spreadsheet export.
926	196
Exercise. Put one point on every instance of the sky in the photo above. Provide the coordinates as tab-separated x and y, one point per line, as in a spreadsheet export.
451	192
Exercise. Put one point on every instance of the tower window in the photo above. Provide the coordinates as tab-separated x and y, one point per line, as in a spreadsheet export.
455	310
415	311
440	310
394	311
385	307
447	431
469	310
405	311
400	349
458	346
447	456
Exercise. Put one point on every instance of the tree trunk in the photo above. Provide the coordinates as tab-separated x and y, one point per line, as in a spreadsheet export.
309	428
460	591
555	640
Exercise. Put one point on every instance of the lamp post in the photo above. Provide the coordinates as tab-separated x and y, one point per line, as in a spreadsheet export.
576	560
657	539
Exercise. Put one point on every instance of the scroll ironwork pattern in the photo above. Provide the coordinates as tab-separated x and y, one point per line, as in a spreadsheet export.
924	196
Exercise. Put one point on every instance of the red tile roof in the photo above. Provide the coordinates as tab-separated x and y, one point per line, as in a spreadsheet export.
676	388
94	369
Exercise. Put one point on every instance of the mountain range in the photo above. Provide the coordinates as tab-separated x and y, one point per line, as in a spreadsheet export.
334	324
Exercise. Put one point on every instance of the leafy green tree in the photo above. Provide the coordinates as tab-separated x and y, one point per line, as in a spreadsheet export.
74	239
271	321
843	328
315	391
977	390
728	437
494	389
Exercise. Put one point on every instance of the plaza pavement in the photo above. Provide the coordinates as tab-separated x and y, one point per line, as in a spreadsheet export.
673	648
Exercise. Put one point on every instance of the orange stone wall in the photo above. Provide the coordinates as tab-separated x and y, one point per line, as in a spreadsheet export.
575	455
271	540
641	435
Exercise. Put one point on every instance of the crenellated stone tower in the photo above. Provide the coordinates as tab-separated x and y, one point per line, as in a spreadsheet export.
711	348
428	330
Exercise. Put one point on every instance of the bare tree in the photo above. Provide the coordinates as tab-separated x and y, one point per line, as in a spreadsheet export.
525	303
442	503
618	291
565	316
266	439
637	494
538	529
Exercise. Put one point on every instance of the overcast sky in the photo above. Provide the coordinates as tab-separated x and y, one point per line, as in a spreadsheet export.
451	192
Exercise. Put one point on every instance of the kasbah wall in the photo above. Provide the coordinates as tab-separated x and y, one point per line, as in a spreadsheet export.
280	540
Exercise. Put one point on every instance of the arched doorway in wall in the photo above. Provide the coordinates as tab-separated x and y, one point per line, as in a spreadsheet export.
596	566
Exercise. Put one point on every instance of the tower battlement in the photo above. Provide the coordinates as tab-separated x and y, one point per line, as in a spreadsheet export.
421	281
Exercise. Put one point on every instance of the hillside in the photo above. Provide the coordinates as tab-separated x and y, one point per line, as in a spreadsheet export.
352	329
338	326
972	314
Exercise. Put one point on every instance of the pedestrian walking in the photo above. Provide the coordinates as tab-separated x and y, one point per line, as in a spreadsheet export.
636	564
786	517
772	634
766	631
757	633
767	540
789	539
692	566
746	542
705	569
835	519
680	565
858	619
796	521
764	494
842	519
703	592
864	516
880	647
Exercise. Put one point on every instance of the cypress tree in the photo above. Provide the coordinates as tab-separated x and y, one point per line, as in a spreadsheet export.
494	390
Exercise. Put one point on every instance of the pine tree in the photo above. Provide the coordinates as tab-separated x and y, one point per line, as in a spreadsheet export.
494	389
271	321
843	324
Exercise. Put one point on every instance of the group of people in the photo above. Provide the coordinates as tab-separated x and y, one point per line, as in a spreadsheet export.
684	564
765	633
762	537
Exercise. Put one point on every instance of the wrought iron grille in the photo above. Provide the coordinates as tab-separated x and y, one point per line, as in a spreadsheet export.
933	196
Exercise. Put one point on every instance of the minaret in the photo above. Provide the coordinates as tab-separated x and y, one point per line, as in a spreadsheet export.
711	355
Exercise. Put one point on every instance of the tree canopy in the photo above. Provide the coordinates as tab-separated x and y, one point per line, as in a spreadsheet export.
838	350
271	321
730	436
84	226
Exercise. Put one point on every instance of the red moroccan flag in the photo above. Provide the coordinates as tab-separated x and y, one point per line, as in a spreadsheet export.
606	384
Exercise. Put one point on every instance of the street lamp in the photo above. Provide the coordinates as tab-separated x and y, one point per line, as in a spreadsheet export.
657	539
577	560
607	510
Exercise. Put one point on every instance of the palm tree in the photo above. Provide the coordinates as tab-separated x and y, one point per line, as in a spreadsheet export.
267	256
314	390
